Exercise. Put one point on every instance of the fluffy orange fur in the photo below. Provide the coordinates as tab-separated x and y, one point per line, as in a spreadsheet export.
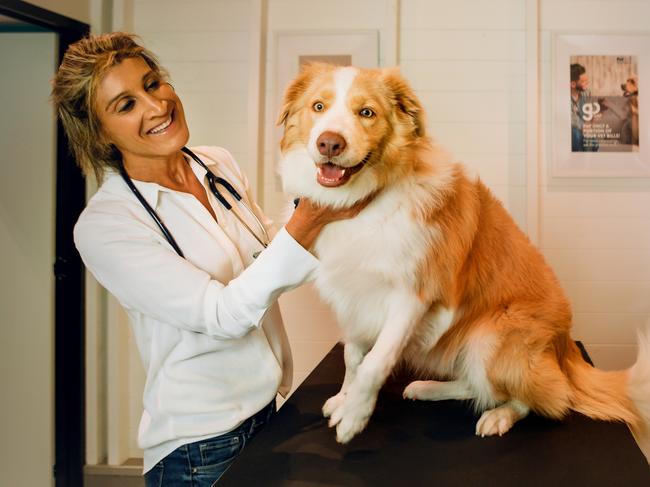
483	267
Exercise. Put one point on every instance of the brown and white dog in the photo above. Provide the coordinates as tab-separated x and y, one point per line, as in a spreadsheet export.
433	271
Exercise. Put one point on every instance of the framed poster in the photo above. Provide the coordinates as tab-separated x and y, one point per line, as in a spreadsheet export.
601	106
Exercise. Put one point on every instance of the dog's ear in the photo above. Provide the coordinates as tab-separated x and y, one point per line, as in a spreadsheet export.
405	100
294	90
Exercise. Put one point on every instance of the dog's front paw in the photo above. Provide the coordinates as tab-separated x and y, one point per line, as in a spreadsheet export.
499	420
332	404
351	418
495	422
415	390
350	425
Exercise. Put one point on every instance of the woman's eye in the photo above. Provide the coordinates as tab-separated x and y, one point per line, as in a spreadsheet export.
318	106
367	113
125	106
154	85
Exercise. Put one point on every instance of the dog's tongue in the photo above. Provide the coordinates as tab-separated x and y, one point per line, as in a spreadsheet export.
330	174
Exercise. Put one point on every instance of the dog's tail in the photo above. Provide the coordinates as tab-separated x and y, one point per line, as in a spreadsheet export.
639	387
622	395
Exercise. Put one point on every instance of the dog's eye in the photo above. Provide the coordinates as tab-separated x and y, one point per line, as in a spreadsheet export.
367	113
318	106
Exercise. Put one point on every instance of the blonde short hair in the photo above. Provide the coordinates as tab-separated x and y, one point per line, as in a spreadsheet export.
73	94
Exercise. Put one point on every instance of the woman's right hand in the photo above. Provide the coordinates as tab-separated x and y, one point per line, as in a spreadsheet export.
309	218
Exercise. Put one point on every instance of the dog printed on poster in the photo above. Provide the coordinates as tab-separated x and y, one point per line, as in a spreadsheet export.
630	130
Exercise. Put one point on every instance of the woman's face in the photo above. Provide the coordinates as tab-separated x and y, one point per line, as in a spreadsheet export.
140	113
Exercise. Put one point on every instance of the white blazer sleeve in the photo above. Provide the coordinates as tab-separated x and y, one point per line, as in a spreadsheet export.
151	278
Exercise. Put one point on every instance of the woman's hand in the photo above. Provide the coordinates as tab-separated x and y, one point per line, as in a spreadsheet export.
308	219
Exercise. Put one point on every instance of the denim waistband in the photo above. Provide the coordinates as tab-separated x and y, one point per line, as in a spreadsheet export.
248	428
258	419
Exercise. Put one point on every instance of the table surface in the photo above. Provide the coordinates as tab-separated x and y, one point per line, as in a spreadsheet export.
430	443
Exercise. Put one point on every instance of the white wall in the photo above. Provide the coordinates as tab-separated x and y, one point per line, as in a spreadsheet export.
27	212
204	45
596	233
466	61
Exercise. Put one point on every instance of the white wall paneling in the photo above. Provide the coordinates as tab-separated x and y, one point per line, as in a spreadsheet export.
467	63
389	38
532	119
595	232
117	417
123	15
95	361
256	92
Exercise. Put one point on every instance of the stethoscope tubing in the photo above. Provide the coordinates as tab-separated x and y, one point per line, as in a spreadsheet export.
213	180
163	228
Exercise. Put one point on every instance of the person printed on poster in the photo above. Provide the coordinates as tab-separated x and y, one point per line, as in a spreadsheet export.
582	110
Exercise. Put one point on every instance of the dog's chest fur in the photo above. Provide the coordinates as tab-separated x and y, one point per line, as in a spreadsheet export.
369	262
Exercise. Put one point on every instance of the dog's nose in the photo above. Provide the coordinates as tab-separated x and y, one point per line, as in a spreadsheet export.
330	144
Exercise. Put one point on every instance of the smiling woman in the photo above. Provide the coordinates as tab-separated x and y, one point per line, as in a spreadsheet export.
206	319
140	113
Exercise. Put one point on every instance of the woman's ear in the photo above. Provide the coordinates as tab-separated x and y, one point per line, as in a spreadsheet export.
405	100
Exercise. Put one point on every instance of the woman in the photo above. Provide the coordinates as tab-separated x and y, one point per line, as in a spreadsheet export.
198	285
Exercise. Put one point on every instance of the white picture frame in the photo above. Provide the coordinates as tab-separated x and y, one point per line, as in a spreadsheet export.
358	48
603	146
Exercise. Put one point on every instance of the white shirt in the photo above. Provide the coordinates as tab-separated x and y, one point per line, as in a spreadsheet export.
208	327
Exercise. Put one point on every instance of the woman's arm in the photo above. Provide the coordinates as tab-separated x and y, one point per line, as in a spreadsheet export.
147	276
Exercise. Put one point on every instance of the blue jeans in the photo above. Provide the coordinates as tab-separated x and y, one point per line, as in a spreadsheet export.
200	464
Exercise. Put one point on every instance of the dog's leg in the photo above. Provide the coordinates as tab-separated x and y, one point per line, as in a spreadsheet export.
499	420
353	355
352	416
432	390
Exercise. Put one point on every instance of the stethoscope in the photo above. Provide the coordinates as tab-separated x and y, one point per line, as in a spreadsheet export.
213	181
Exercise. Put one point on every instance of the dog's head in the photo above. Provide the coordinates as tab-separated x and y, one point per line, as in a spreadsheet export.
630	87
343	127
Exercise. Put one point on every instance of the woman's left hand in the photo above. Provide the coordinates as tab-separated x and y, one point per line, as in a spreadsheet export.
309	218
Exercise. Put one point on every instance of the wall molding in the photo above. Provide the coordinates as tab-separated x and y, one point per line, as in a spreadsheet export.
532	120
256	94
391	32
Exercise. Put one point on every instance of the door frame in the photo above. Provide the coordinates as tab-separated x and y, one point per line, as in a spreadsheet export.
69	300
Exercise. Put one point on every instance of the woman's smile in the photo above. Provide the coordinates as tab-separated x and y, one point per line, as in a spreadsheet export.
162	128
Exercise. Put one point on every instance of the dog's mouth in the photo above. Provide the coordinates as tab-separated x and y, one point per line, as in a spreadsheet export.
331	175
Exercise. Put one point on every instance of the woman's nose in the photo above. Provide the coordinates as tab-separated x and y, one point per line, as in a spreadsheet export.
156	105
